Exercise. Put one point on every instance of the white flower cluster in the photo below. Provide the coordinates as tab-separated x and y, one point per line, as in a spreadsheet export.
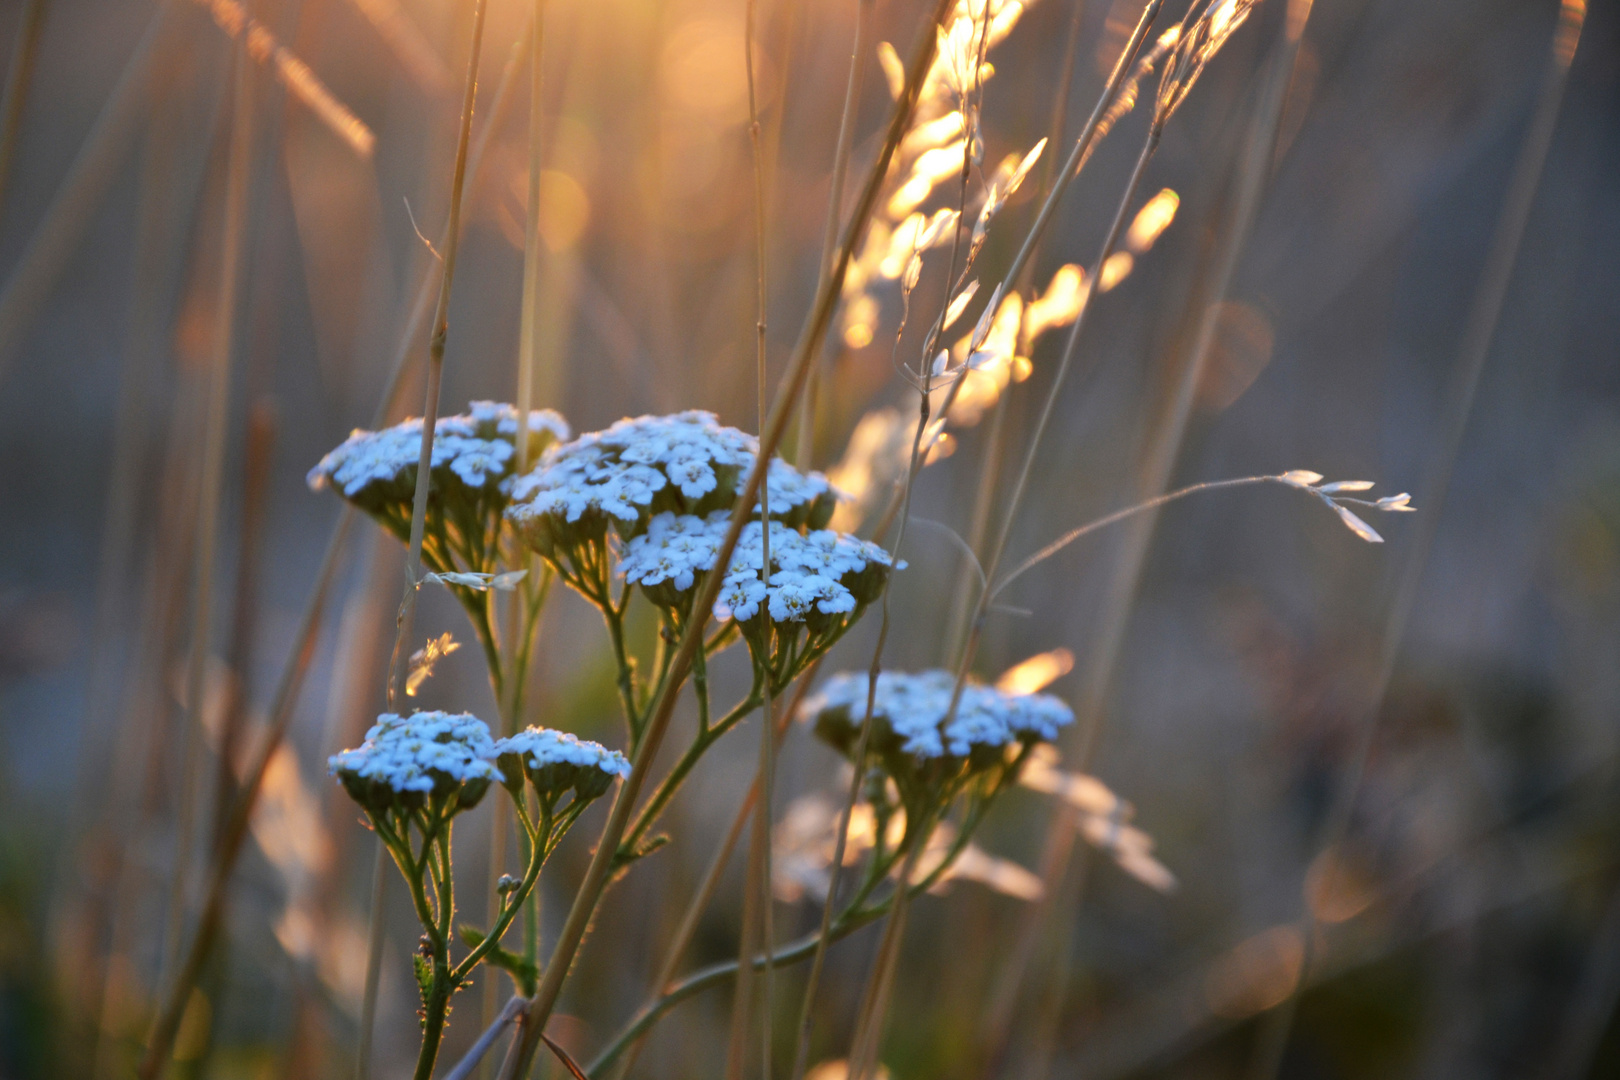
823	571
417	754
540	747
915	707
686	463
476	448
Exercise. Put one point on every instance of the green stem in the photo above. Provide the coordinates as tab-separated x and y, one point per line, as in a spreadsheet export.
613	615
434	1011
672	783
539	851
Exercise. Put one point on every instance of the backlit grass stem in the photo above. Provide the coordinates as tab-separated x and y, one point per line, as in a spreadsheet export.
596	876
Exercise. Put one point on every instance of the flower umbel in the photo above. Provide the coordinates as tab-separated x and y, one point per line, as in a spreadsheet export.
474	455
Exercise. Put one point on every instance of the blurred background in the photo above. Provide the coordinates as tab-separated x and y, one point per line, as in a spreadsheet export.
1383	778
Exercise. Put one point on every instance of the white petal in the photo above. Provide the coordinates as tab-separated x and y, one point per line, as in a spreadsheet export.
1345	485
1356	525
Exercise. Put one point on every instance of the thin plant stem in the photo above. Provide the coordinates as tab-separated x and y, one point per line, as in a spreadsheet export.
299	658
1015	499
757	929
509	1012
874	1009
210	485
804	451
1478	333
422	302
686	930
1083	144
841	837
435	367
863	1054
257	459
991	461
1062	888
19	77
828	290
857	914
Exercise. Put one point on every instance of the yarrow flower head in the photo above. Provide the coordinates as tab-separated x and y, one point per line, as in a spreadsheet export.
406	761
686	464
474	458
911	710
556	762
820	582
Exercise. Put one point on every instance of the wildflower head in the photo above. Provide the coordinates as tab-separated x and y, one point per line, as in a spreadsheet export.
474	458
408	762
556	762
686	464
917	741
820	582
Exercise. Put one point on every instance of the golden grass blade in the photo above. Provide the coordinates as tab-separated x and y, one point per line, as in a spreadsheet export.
239	24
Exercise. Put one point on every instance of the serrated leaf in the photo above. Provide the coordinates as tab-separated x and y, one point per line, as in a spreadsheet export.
1356	525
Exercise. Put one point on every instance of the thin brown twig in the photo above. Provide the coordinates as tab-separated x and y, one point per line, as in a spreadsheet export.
829	288
804	451
757	928
397	671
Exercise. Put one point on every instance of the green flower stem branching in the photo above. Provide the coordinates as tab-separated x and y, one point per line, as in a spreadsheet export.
855	915
631	848
427	863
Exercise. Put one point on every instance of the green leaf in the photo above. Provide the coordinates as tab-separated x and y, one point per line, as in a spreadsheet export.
524	972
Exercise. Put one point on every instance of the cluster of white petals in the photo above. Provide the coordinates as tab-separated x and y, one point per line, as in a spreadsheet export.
477	447
689	458
540	747
420	751
821	571
915	707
